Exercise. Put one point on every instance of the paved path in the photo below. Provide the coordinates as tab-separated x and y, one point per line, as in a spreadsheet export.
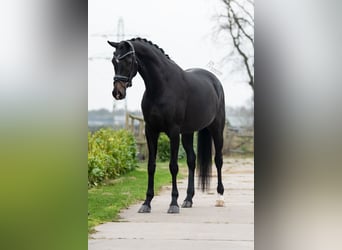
203	226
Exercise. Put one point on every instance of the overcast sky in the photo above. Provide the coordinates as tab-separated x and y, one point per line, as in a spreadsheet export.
184	29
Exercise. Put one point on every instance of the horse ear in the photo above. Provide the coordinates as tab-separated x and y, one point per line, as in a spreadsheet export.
113	44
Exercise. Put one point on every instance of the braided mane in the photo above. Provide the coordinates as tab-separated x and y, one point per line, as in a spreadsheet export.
149	42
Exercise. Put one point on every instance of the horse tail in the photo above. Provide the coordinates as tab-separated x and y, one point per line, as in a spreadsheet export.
204	158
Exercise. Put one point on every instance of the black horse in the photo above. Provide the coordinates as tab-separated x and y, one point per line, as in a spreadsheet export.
175	102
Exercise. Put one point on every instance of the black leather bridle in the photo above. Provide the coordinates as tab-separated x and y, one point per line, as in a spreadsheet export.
126	79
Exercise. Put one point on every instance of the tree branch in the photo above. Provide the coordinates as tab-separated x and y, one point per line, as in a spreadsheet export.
242	8
242	29
236	42
237	27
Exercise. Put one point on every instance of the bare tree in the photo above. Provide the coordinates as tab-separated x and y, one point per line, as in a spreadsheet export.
239	22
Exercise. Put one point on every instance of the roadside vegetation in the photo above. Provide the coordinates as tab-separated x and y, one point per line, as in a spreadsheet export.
111	153
115	178
106	201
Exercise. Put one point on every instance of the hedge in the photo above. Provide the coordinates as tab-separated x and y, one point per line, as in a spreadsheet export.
110	154
163	151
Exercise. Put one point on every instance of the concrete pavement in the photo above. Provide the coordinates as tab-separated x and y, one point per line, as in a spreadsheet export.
203	226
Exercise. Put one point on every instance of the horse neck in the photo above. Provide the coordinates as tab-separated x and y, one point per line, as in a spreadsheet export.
154	67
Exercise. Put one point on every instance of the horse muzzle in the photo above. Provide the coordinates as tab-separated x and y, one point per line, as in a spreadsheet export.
119	94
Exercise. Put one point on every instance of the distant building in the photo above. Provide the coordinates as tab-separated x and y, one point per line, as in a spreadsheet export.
104	118
240	122
100	118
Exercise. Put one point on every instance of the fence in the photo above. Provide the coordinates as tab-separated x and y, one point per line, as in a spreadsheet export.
237	140
136	125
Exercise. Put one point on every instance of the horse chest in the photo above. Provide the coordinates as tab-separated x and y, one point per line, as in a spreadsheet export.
155	113
160	115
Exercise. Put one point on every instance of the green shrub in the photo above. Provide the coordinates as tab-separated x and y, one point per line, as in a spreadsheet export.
163	151
110	154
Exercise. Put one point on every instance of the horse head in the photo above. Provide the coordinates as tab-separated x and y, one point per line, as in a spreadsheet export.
125	67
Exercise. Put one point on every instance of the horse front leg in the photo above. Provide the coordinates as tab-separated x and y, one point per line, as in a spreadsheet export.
152	142
174	146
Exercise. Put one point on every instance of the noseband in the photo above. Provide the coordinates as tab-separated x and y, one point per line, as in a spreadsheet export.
126	79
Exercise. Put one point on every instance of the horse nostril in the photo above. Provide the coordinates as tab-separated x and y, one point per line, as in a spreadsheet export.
118	94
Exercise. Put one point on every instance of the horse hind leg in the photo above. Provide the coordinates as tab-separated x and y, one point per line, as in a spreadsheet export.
187	142
218	142
220	188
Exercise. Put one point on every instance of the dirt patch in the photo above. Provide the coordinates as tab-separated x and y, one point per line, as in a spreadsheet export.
240	171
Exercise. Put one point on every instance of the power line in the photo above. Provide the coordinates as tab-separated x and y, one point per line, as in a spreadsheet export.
120	36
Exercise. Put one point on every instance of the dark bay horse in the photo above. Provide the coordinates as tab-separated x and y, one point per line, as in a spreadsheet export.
177	102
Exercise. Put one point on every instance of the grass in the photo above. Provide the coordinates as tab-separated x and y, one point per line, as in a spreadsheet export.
105	202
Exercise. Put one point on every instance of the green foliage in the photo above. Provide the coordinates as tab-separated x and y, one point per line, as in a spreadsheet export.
163	152
106	201
110	154
163	148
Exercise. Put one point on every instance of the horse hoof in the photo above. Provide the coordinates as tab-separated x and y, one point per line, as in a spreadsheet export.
174	209
187	204
144	209
220	201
